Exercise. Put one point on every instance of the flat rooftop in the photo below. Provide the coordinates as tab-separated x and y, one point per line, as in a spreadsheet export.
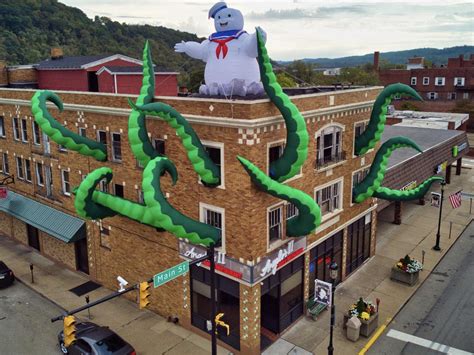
437	120
426	138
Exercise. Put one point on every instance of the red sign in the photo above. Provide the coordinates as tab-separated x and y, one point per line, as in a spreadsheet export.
291	257
3	192
225	270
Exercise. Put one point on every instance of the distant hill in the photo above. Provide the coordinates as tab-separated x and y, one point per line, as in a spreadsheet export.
436	56
30	28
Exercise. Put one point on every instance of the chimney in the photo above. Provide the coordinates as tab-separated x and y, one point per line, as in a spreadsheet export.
56	53
376	60
3	74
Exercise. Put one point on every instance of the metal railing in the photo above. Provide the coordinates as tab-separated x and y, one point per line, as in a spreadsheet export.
324	162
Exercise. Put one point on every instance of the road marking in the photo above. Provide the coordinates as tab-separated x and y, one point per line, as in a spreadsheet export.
408	338
374	337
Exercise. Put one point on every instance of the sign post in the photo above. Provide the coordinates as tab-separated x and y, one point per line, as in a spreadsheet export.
170	274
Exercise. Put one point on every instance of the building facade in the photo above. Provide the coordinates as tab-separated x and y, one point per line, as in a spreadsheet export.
265	278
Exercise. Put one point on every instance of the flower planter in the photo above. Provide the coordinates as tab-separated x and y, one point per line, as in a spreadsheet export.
404	277
367	327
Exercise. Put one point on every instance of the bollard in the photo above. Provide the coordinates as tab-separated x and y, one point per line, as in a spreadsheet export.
450	228
32	276
88	309
422	257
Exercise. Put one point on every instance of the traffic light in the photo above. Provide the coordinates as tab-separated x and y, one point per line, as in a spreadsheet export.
144	294
69	330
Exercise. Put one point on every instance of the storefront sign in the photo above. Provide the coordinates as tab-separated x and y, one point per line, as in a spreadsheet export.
441	167
410	186
462	146
323	292
3	192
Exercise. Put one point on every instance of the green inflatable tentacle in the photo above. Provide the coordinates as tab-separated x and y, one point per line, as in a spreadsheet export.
93	204
140	144
309	216
59	134
169	218
202	164
296	149
398	195
378	117
373	180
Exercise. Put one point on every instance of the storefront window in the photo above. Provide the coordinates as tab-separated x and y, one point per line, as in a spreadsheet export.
358	243
321	257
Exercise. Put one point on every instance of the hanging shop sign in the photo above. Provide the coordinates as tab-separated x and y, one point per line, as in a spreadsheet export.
435	199
410	186
3	192
323	292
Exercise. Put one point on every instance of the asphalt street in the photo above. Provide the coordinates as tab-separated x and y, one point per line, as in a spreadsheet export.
25	322
439	318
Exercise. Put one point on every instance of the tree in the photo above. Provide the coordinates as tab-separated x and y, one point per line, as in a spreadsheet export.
285	80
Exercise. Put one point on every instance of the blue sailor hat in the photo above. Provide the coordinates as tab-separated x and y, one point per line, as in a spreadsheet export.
216	8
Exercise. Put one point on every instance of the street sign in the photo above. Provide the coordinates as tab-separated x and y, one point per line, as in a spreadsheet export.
322	292
435	199
170	274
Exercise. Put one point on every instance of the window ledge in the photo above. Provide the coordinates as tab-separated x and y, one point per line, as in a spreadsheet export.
331	215
330	166
276	244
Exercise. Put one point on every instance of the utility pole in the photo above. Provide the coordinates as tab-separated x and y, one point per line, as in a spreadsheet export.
210	255
438	234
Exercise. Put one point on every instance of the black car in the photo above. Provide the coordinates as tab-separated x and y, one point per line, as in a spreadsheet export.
6	275
95	339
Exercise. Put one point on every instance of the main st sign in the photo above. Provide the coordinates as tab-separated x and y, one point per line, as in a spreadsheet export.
170	274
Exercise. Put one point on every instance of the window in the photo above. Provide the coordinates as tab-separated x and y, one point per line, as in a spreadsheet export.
82	132
426	80
459	81
160	146
118	190
5	166
24	131
213	216
357	178
39	174
104	186
329	198
19	168
116	147
274	153
16	129
275	225
216	154
65	182
465	95
102	137
413	80
439	81
432	95
329	147
2	126
291	210
360	128
36	134
104	236
358	243
141	199
27	170
451	96
62	148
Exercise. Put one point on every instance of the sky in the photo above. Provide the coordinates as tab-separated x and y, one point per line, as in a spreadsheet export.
311	28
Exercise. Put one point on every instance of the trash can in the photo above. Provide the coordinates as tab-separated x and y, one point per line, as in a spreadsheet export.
353	328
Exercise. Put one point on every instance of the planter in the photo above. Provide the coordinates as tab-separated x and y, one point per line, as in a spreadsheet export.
404	277
367	326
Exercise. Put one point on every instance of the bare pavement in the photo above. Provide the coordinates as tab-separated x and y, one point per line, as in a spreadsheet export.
151	334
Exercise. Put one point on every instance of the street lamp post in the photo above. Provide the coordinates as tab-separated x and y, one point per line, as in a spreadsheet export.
438	234
333	268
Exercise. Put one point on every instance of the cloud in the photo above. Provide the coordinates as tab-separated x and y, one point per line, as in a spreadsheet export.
297	14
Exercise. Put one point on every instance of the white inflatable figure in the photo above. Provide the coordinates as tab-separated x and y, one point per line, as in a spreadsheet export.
230	55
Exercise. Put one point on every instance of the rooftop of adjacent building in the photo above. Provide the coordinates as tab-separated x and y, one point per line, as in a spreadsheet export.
437	120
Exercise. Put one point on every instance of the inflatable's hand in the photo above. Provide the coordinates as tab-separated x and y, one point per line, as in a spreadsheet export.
262	33
180	47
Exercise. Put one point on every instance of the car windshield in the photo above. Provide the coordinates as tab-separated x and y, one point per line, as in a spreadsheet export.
110	344
3	267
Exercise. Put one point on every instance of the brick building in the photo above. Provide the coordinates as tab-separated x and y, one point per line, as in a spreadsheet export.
454	81
264	277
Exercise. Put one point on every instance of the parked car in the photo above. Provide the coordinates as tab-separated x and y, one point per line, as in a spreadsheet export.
95	339
6	275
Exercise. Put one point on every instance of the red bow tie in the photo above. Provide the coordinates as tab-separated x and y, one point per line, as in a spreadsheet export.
222	46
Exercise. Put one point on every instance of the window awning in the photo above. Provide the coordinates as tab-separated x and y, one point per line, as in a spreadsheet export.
56	223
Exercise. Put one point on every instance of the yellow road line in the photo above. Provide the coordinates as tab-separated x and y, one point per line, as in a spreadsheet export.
375	337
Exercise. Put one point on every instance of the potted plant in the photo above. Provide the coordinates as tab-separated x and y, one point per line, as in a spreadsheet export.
367	313
406	270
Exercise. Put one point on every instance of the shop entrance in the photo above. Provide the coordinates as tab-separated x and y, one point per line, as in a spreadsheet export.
281	300
82	262
33	237
358	243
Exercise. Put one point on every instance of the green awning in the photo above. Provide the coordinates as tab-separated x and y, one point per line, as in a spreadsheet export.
56	223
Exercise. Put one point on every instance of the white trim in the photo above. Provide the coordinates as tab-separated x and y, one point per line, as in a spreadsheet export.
114	159
219	145
276	243
37	175
277	143
110	58
26	175
327	125
63	184
19	159
341	198
204	206
104	68
427	82
366	123
34	135
352	182
115	83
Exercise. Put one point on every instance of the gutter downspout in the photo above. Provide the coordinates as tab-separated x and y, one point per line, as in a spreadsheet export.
115	83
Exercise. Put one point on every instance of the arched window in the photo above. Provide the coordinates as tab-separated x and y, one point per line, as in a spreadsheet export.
329	146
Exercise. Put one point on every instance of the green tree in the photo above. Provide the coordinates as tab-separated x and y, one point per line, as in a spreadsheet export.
285	80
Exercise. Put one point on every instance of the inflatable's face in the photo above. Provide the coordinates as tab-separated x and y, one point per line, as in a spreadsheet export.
228	19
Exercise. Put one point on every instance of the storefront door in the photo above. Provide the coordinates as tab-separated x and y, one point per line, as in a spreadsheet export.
282	297
358	243
33	237
82	262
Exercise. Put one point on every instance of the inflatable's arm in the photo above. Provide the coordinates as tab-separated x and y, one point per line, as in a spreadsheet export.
250	44
193	49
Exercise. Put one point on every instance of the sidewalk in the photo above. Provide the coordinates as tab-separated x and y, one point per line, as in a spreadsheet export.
417	233
146	331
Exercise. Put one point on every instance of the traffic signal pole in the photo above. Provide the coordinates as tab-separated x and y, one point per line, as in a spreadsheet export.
212	268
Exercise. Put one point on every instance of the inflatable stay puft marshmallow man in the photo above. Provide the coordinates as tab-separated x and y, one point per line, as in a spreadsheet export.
230	55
